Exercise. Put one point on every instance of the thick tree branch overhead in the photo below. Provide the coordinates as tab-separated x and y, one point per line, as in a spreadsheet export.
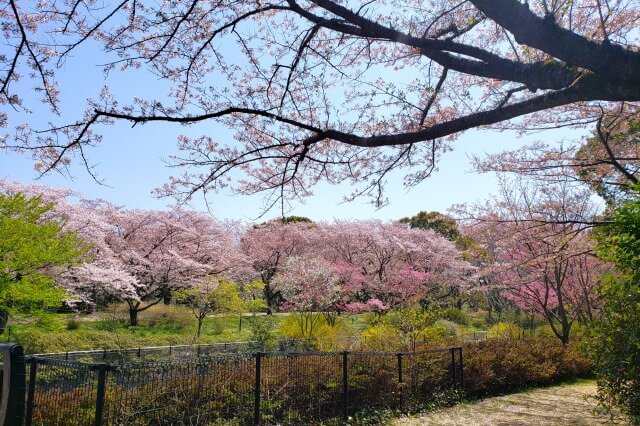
317	90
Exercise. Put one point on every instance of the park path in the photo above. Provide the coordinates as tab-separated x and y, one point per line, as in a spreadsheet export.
568	404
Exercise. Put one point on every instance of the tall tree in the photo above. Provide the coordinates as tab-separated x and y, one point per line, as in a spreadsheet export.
615	343
436	221
543	260
211	296
34	250
388	262
268	246
162	251
322	90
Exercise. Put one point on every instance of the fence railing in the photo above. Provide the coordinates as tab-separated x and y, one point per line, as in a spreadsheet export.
156	353
242	389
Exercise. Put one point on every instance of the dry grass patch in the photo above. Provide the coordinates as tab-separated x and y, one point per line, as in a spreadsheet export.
568	404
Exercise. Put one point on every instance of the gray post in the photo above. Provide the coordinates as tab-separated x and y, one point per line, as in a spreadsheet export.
12	406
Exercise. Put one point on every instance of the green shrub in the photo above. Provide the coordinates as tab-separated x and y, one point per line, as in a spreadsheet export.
454	315
500	366
544	331
73	324
106	324
504	330
263	331
478	323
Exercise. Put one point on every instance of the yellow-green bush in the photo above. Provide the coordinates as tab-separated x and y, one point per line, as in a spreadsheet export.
441	333
504	330
341	336
382	337
303	326
454	315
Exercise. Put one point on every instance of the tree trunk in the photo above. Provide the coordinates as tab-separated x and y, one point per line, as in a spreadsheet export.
133	315
200	320
166	295
273	298
4	319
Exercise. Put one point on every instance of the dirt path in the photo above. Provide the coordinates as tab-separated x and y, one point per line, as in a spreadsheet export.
570	404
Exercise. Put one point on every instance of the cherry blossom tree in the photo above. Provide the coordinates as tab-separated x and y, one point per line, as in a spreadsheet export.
309	287
322	90
164	251
542	248
141	256
268	246
389	262
558	284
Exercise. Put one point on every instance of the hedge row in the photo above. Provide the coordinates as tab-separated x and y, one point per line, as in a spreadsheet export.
501	366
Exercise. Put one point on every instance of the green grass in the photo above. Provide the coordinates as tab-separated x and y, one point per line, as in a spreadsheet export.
159	325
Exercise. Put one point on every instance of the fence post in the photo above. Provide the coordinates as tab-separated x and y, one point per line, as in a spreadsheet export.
345	384
31	392
453	366
461	370
256	389
100	394
400	385
13	385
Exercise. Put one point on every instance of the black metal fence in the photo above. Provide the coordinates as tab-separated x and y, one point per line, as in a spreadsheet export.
224	389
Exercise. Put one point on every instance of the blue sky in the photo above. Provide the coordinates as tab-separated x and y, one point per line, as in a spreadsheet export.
130	163
130	160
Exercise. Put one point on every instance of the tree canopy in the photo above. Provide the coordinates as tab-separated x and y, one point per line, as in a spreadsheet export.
614	344
34	249
321	90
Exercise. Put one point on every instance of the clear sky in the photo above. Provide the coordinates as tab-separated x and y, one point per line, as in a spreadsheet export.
130	160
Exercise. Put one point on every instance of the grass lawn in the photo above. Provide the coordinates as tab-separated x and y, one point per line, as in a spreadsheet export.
159	325
567	404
